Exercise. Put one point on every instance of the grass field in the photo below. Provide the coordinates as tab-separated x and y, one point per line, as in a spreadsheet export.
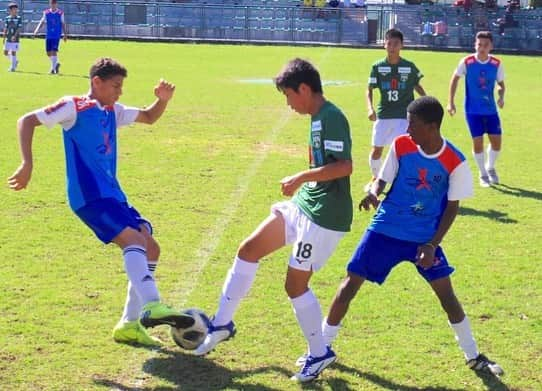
205	175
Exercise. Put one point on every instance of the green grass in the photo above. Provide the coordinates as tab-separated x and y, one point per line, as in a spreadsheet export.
205	175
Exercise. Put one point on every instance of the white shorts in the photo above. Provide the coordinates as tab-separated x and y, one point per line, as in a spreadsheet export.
312	244
385	130
11	46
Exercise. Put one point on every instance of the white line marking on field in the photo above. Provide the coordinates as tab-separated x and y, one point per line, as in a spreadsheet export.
211	238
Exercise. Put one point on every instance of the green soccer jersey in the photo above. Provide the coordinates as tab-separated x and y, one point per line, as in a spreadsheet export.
396	83
13	26
329	203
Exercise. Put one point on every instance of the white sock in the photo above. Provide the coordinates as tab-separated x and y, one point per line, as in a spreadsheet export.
9	57
463	336
238	282
492	156
375	166
309	316
14	61
132	306
329	332
54	61
135	264
480	162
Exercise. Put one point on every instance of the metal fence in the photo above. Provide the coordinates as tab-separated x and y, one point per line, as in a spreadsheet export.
268	23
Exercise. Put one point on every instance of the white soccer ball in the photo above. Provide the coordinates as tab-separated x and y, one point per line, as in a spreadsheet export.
190	338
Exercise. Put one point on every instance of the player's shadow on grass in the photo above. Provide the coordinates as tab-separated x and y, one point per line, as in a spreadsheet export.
518	192
341	384
48	74
491	214
491	382
189	372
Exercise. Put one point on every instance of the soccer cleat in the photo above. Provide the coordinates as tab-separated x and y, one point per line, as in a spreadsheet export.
155	313
314	366
493	177
57	67
369	185
216	335
483	364
301	360
484	181
134	334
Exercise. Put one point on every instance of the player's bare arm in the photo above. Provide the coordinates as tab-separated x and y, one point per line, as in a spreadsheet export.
500	91
20	178
371	198
371	113
451	96
38	26
420	90
426	251
163	92
328	172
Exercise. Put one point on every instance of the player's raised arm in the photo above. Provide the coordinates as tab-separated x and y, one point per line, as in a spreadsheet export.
163	92
25	126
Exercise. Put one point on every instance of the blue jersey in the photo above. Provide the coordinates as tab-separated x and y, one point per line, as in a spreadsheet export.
421	187
480	79
54	20
90	144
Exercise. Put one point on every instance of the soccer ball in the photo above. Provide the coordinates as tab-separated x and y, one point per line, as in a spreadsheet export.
190	338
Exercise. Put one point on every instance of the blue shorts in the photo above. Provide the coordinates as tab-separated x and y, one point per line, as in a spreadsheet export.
377	254
51	44
480	124
108	217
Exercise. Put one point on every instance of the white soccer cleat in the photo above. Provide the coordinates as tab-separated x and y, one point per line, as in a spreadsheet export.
493	177
484	181
314	366
215	335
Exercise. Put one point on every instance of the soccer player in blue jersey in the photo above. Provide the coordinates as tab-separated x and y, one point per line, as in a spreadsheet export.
482	71
428	177
56	28
89	125
12	29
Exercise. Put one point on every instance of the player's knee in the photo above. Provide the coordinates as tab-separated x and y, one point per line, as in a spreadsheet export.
153	249
248	250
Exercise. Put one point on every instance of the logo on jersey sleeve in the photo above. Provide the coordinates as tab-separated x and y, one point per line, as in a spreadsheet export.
316	126
51	109
331	145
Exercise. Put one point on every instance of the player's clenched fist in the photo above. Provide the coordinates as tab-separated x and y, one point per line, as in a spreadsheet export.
164	90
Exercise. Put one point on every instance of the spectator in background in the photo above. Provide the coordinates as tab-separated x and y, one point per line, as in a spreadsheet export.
427	28
359	3
440	28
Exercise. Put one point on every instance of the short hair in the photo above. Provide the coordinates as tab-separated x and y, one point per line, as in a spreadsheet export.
298	71
12	5
484	34
428	109
394	33
106	68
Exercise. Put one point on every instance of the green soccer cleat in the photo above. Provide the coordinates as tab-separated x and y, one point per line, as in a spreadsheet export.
155	313
134	333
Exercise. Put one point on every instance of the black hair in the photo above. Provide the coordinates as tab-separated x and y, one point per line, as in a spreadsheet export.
484	34
428	109
106	68
394	33
12	5
298	71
